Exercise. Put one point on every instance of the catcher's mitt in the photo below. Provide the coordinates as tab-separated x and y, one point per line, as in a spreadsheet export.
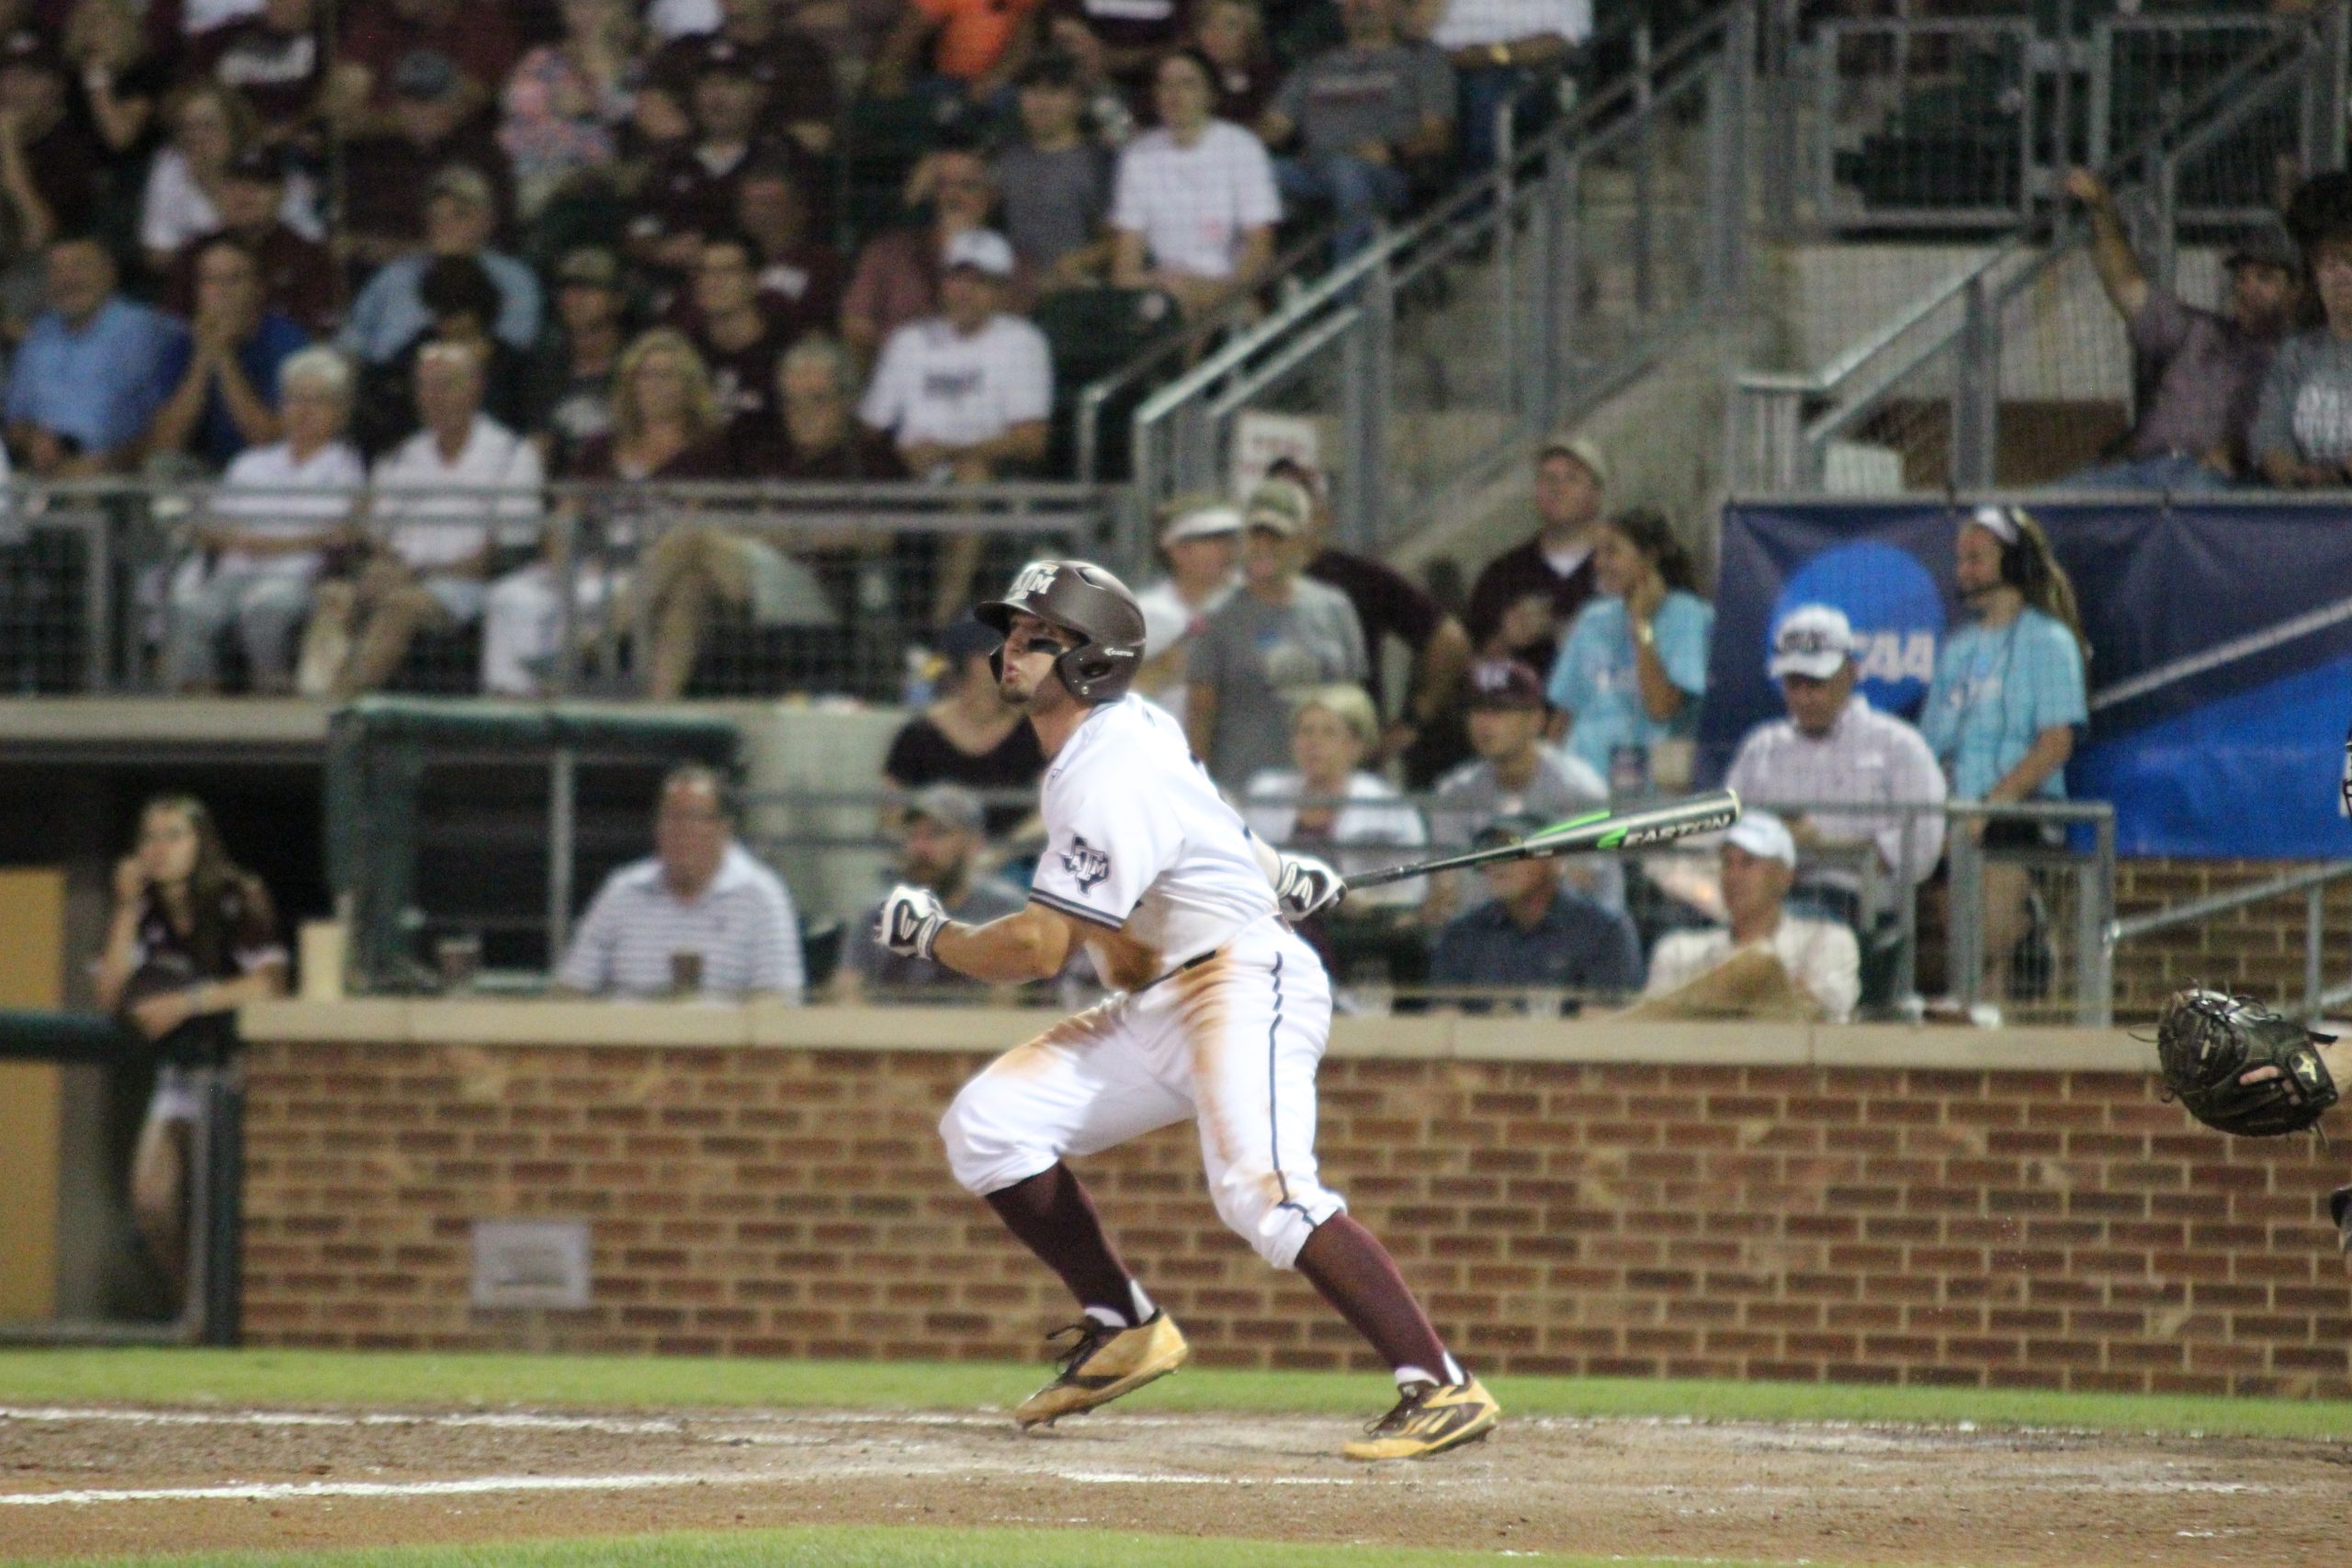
2208	1042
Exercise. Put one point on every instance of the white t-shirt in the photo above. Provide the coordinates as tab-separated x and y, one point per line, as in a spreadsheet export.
1468	24
433	533
1167	620
1138	839
1192	204
245	503
174	208
935	384
1821	956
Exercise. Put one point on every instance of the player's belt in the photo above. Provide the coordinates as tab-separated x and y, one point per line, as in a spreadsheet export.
1192	963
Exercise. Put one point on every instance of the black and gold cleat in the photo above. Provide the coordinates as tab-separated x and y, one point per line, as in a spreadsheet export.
1102	1363
1430	1419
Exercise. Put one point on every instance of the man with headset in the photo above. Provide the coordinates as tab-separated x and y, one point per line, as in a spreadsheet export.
2006	700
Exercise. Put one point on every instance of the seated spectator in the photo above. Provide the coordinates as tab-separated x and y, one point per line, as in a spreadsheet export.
50	162
1365	115
571	373
1116	41
432	129
275	55
1327	805
123	79
1516	773
266	547
297	272
1834	749
941	839
2006	700
211	126
478	42
1195	210
1527	597
700	916
440	524
795	72
193	937
2303	424
1532	932
1283	633
691	193
732	330
461	302
976	47
1231	36
1498	48
899	271
567	104
1057	183
800	276
459	217
87	382
968	735
1768	963
1634	664
814	436
966	394
223	370
2205	368
1200	545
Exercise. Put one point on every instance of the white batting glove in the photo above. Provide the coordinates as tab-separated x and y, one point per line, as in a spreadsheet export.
910	920
1306	886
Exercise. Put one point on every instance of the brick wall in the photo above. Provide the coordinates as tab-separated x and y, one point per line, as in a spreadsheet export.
1951	1225
2258	949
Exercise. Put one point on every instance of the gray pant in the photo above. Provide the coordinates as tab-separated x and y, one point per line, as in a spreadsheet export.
265	606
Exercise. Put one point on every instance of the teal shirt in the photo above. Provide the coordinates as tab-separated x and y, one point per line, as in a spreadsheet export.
1595	677
1993	695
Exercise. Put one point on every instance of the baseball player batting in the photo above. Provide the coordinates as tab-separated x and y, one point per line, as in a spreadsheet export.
1218	1014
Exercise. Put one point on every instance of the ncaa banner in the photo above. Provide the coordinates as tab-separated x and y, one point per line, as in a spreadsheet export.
2221	633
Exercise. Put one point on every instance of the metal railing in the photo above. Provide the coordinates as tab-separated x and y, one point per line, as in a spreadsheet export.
1523	298
817	589
2311	883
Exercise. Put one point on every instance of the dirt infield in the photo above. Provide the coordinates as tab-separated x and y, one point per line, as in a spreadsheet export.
128	1481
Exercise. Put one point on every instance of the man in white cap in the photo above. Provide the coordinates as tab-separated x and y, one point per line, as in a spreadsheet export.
1834	749
1200	542
1768	963
966	394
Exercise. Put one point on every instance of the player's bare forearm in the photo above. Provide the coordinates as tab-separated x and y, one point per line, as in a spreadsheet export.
1032	943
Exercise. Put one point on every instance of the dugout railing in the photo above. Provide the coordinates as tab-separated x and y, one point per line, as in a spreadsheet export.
2311	886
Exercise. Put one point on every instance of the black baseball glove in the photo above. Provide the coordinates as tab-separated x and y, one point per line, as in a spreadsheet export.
2209	1041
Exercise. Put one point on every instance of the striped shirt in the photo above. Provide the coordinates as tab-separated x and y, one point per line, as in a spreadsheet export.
1868	758
1995	693
744	927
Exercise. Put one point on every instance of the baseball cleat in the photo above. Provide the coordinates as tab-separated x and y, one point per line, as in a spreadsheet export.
1102	1363
2339	1209
1428	1419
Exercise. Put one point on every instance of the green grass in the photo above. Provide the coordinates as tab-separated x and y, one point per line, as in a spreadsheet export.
856	1548
237	1378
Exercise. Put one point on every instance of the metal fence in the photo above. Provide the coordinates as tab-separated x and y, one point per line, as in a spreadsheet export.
580	590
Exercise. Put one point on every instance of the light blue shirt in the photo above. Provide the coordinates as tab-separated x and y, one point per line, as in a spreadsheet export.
1595	677
388	313
1996	689
101	385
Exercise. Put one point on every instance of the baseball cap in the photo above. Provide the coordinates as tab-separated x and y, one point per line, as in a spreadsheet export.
1815	641
1764	836
1583	448
1507	829
2266	244
1201	522
1282	506
1504	684
590	264
462	182
950	806
424	73
983	250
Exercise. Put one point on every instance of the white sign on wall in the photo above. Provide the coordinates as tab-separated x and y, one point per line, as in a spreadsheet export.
531	1263
1259	438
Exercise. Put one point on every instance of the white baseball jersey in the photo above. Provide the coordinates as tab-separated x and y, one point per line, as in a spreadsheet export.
1140	843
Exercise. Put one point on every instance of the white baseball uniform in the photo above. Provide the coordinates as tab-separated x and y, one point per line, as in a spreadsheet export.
1219	1012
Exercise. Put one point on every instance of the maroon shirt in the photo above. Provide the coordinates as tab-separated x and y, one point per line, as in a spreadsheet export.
297	277
281	74
1517	574
685	195
743	379
64	167
764	451
478	40
801	291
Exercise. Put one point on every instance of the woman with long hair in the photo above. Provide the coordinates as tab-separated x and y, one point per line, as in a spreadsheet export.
1634	666
193	938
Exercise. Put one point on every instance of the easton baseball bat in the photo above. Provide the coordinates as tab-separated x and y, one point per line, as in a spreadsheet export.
1594	833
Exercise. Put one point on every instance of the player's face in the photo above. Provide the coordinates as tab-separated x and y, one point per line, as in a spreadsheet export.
1496	734
1030	649
1813	706
167	845
1753	885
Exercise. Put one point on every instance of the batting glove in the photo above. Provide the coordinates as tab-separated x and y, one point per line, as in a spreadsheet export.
909	922
1306	886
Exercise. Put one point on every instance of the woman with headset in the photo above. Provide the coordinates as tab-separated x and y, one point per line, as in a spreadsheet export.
2008	697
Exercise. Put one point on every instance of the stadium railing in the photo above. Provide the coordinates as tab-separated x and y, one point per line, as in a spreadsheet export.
2319	997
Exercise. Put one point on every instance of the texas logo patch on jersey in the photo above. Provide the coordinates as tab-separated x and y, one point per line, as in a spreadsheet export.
1086	864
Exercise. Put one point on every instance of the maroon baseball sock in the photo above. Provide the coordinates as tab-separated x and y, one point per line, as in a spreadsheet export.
1055	1219
1355	1274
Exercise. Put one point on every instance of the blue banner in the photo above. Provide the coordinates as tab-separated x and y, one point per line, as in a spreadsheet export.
2221	634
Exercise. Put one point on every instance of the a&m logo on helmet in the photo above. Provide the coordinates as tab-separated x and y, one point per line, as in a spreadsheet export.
1086	864
1038	577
